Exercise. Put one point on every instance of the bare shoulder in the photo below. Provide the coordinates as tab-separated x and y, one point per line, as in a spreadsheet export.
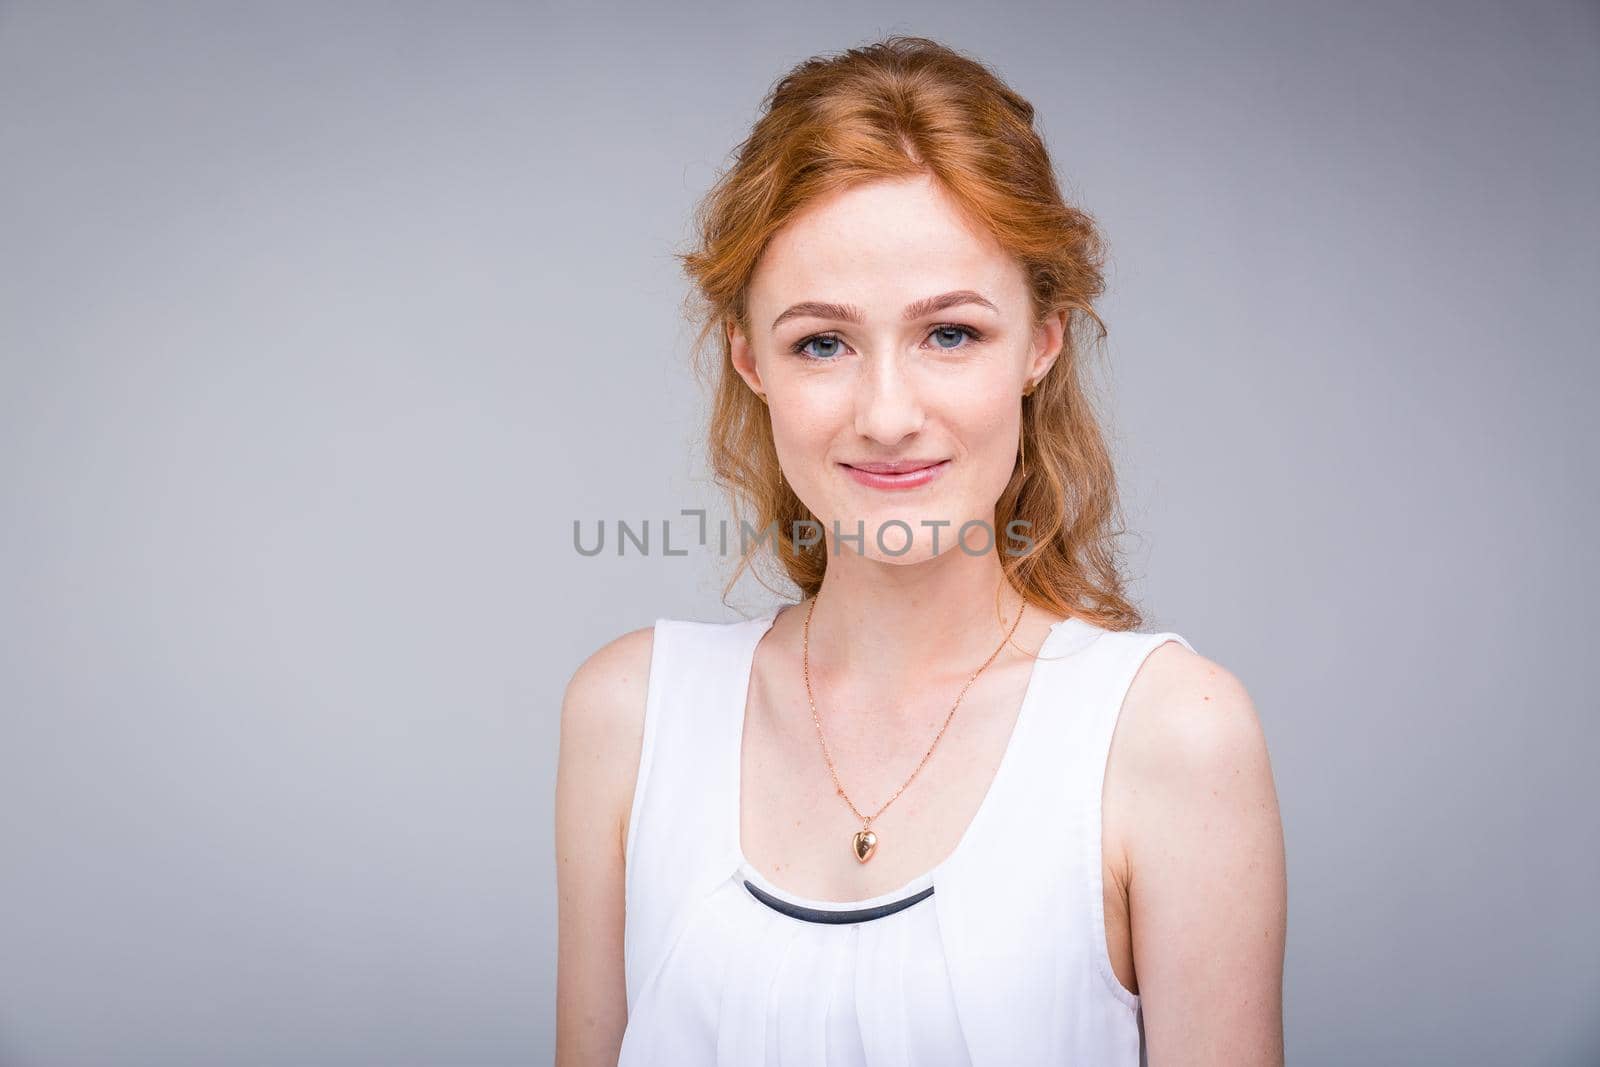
1188	739
1187	718
620	668
1200	854
602	731
602	721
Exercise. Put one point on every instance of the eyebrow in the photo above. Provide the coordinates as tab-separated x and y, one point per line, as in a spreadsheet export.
846	313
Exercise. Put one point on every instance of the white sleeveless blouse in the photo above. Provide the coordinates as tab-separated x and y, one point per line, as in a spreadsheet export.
995	957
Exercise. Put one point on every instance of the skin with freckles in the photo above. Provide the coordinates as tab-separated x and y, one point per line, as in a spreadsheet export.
865	355
944	384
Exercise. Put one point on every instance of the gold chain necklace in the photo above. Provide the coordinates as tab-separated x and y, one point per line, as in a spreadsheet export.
865	840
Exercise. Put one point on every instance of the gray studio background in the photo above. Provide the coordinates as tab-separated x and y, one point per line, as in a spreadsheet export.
320	324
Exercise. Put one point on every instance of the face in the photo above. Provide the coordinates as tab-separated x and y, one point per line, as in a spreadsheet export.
884	329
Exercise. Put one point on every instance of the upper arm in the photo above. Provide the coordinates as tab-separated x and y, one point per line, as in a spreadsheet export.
1208	895
602	730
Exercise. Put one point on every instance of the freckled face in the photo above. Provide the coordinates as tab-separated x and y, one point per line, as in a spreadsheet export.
852	380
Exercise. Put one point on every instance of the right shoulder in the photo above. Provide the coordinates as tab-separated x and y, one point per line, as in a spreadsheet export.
604	687
602	722
602	726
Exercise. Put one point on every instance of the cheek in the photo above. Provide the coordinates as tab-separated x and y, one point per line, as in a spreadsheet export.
804	445
992	427
994	458
799	429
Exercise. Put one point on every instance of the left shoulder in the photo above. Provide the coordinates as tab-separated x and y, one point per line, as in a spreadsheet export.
1188	718
1197	847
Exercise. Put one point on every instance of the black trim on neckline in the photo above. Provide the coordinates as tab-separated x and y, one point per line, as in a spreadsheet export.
822	915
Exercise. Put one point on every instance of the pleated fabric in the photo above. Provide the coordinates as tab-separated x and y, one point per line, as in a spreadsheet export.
746	984
1004	963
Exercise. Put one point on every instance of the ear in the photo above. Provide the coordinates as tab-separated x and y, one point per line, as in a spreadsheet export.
742	357
1048	337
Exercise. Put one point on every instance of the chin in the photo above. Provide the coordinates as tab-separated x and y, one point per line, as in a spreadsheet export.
919	545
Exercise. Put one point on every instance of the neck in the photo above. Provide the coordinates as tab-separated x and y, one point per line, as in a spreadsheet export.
893	628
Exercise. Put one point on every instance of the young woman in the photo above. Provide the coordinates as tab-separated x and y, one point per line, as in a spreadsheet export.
953	806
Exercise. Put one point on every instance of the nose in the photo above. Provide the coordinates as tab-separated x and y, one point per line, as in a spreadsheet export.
888	401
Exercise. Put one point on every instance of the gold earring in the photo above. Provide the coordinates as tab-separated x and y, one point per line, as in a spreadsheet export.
1022	438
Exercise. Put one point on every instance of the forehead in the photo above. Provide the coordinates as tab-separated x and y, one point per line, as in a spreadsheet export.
880	246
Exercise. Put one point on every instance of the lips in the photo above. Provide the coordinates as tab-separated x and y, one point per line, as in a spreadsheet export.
899	466
896	474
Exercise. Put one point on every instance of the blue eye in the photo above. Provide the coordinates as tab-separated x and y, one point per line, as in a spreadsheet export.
945	331
824	338
957	331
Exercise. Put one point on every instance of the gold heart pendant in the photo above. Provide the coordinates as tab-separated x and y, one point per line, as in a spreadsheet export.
863	844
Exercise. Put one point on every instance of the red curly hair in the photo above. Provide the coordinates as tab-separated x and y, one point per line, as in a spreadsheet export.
900	108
